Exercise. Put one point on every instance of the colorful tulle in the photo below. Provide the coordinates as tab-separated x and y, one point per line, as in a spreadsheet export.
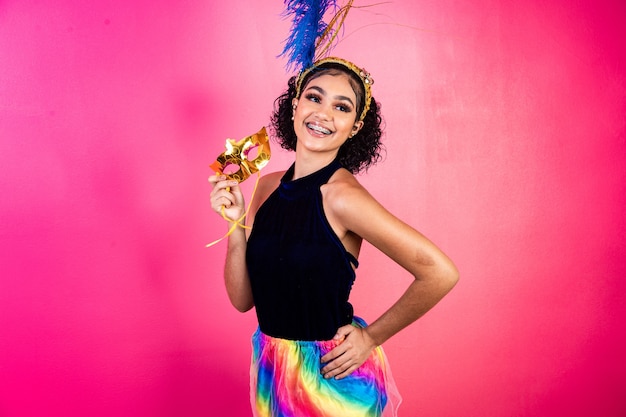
286	382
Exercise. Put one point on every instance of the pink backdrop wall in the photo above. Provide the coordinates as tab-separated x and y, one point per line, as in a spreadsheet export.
506	141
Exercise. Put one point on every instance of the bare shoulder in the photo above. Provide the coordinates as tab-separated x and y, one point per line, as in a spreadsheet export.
269	182
344	192
348	205
351	208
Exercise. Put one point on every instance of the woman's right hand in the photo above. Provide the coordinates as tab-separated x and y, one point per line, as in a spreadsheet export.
226	197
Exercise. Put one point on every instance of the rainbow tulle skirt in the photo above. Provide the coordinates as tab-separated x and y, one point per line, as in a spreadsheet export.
285	381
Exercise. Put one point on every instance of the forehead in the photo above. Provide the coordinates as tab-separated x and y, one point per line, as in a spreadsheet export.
333	83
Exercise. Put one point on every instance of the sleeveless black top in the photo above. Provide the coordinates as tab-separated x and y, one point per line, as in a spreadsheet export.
301	274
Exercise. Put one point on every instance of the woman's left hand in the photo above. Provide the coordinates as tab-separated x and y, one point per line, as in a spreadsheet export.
345	358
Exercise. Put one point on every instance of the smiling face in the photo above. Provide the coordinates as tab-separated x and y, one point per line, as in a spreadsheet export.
325	115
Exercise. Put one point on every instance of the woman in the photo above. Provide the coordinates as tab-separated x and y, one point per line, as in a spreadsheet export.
297	263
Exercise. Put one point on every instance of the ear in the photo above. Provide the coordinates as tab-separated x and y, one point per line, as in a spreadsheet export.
355	129
294	103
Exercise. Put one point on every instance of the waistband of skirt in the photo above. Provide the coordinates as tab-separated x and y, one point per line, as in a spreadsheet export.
259	336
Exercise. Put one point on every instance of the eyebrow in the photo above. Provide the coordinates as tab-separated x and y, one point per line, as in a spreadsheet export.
322	92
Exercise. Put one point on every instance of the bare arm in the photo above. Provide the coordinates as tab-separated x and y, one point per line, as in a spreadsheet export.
433	272
227	194
353	210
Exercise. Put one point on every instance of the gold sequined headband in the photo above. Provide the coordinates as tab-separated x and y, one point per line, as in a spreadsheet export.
364	76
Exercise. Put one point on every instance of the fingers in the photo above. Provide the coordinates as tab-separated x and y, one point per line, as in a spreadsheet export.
355	347
225	193
213	179
221	181
344	371
341	334
226	201
346	357
334	354
342	361
344	331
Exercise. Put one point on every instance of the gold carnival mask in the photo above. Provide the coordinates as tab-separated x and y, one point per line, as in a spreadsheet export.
239	161
244	158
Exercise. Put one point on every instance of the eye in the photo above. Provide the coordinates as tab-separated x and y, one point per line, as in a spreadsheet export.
344	108
313	97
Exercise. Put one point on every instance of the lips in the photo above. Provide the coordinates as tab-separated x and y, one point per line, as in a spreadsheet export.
318	128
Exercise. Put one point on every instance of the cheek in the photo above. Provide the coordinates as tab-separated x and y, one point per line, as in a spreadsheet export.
347	125
299	112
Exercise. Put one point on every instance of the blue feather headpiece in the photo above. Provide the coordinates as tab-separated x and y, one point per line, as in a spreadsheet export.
307	25
310	37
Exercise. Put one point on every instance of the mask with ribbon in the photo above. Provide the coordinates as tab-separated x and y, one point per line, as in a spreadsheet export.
240	160
245	157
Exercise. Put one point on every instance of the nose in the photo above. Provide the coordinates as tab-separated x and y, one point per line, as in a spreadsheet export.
324	112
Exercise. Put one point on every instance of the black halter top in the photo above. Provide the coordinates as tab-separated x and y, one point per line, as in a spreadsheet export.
301	274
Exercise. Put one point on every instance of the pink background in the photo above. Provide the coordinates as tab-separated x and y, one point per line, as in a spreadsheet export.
506	144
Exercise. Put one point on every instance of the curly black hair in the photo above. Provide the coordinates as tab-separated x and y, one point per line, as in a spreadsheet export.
359	152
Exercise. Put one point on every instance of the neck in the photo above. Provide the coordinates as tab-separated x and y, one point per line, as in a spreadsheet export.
308	164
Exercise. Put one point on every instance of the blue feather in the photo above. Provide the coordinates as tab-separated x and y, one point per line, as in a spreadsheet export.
307	25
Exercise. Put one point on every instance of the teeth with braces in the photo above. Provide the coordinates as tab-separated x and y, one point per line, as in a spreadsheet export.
319	129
